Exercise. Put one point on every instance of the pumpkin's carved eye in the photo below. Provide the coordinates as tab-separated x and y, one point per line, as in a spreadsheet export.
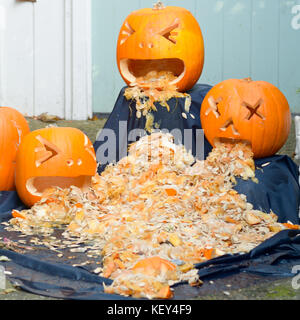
253	110
127	32
169	33
213	107
48	149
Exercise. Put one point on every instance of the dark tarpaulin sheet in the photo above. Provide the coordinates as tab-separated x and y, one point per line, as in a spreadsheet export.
122	121
42	272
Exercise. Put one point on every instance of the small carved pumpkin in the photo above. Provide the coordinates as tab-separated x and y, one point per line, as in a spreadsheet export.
162	39
13	128
53	157
253	111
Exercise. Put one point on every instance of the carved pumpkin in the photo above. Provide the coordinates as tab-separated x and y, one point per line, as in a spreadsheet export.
253	111
53	157
161	40
13	128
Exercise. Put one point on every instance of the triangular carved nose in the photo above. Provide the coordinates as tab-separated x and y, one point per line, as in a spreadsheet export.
229	123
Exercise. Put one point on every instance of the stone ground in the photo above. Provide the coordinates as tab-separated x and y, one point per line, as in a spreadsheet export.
277	289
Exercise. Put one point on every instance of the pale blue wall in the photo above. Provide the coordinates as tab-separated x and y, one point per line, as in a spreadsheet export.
257	38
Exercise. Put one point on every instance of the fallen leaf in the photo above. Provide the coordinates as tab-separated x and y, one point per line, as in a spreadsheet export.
45	117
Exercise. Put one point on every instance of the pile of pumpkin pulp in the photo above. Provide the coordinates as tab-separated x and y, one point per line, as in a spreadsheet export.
155	214
155	86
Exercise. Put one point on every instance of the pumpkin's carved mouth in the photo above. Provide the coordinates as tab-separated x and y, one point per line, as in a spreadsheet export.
218	140
134	70
37	185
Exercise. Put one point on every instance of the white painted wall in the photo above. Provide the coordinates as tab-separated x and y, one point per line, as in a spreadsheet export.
297	128
45	57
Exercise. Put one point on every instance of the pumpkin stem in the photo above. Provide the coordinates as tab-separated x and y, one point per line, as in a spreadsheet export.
249	79
158	6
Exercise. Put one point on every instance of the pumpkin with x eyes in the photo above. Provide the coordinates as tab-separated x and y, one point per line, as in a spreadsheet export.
253	111
53	157
162	40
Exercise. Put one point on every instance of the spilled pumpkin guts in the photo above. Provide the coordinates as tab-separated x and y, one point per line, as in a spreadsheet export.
154	87
155	214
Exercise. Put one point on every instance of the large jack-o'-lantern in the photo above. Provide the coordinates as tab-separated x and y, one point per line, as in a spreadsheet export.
160	41
13	128
253	111
53	157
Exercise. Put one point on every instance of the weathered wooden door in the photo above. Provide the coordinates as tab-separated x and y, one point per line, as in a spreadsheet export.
45	58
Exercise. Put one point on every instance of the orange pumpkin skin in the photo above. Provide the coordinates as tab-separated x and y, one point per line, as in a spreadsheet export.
53	157
164	39
153	266
254	111
13	128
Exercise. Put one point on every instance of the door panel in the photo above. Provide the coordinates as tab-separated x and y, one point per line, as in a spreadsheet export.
45	57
